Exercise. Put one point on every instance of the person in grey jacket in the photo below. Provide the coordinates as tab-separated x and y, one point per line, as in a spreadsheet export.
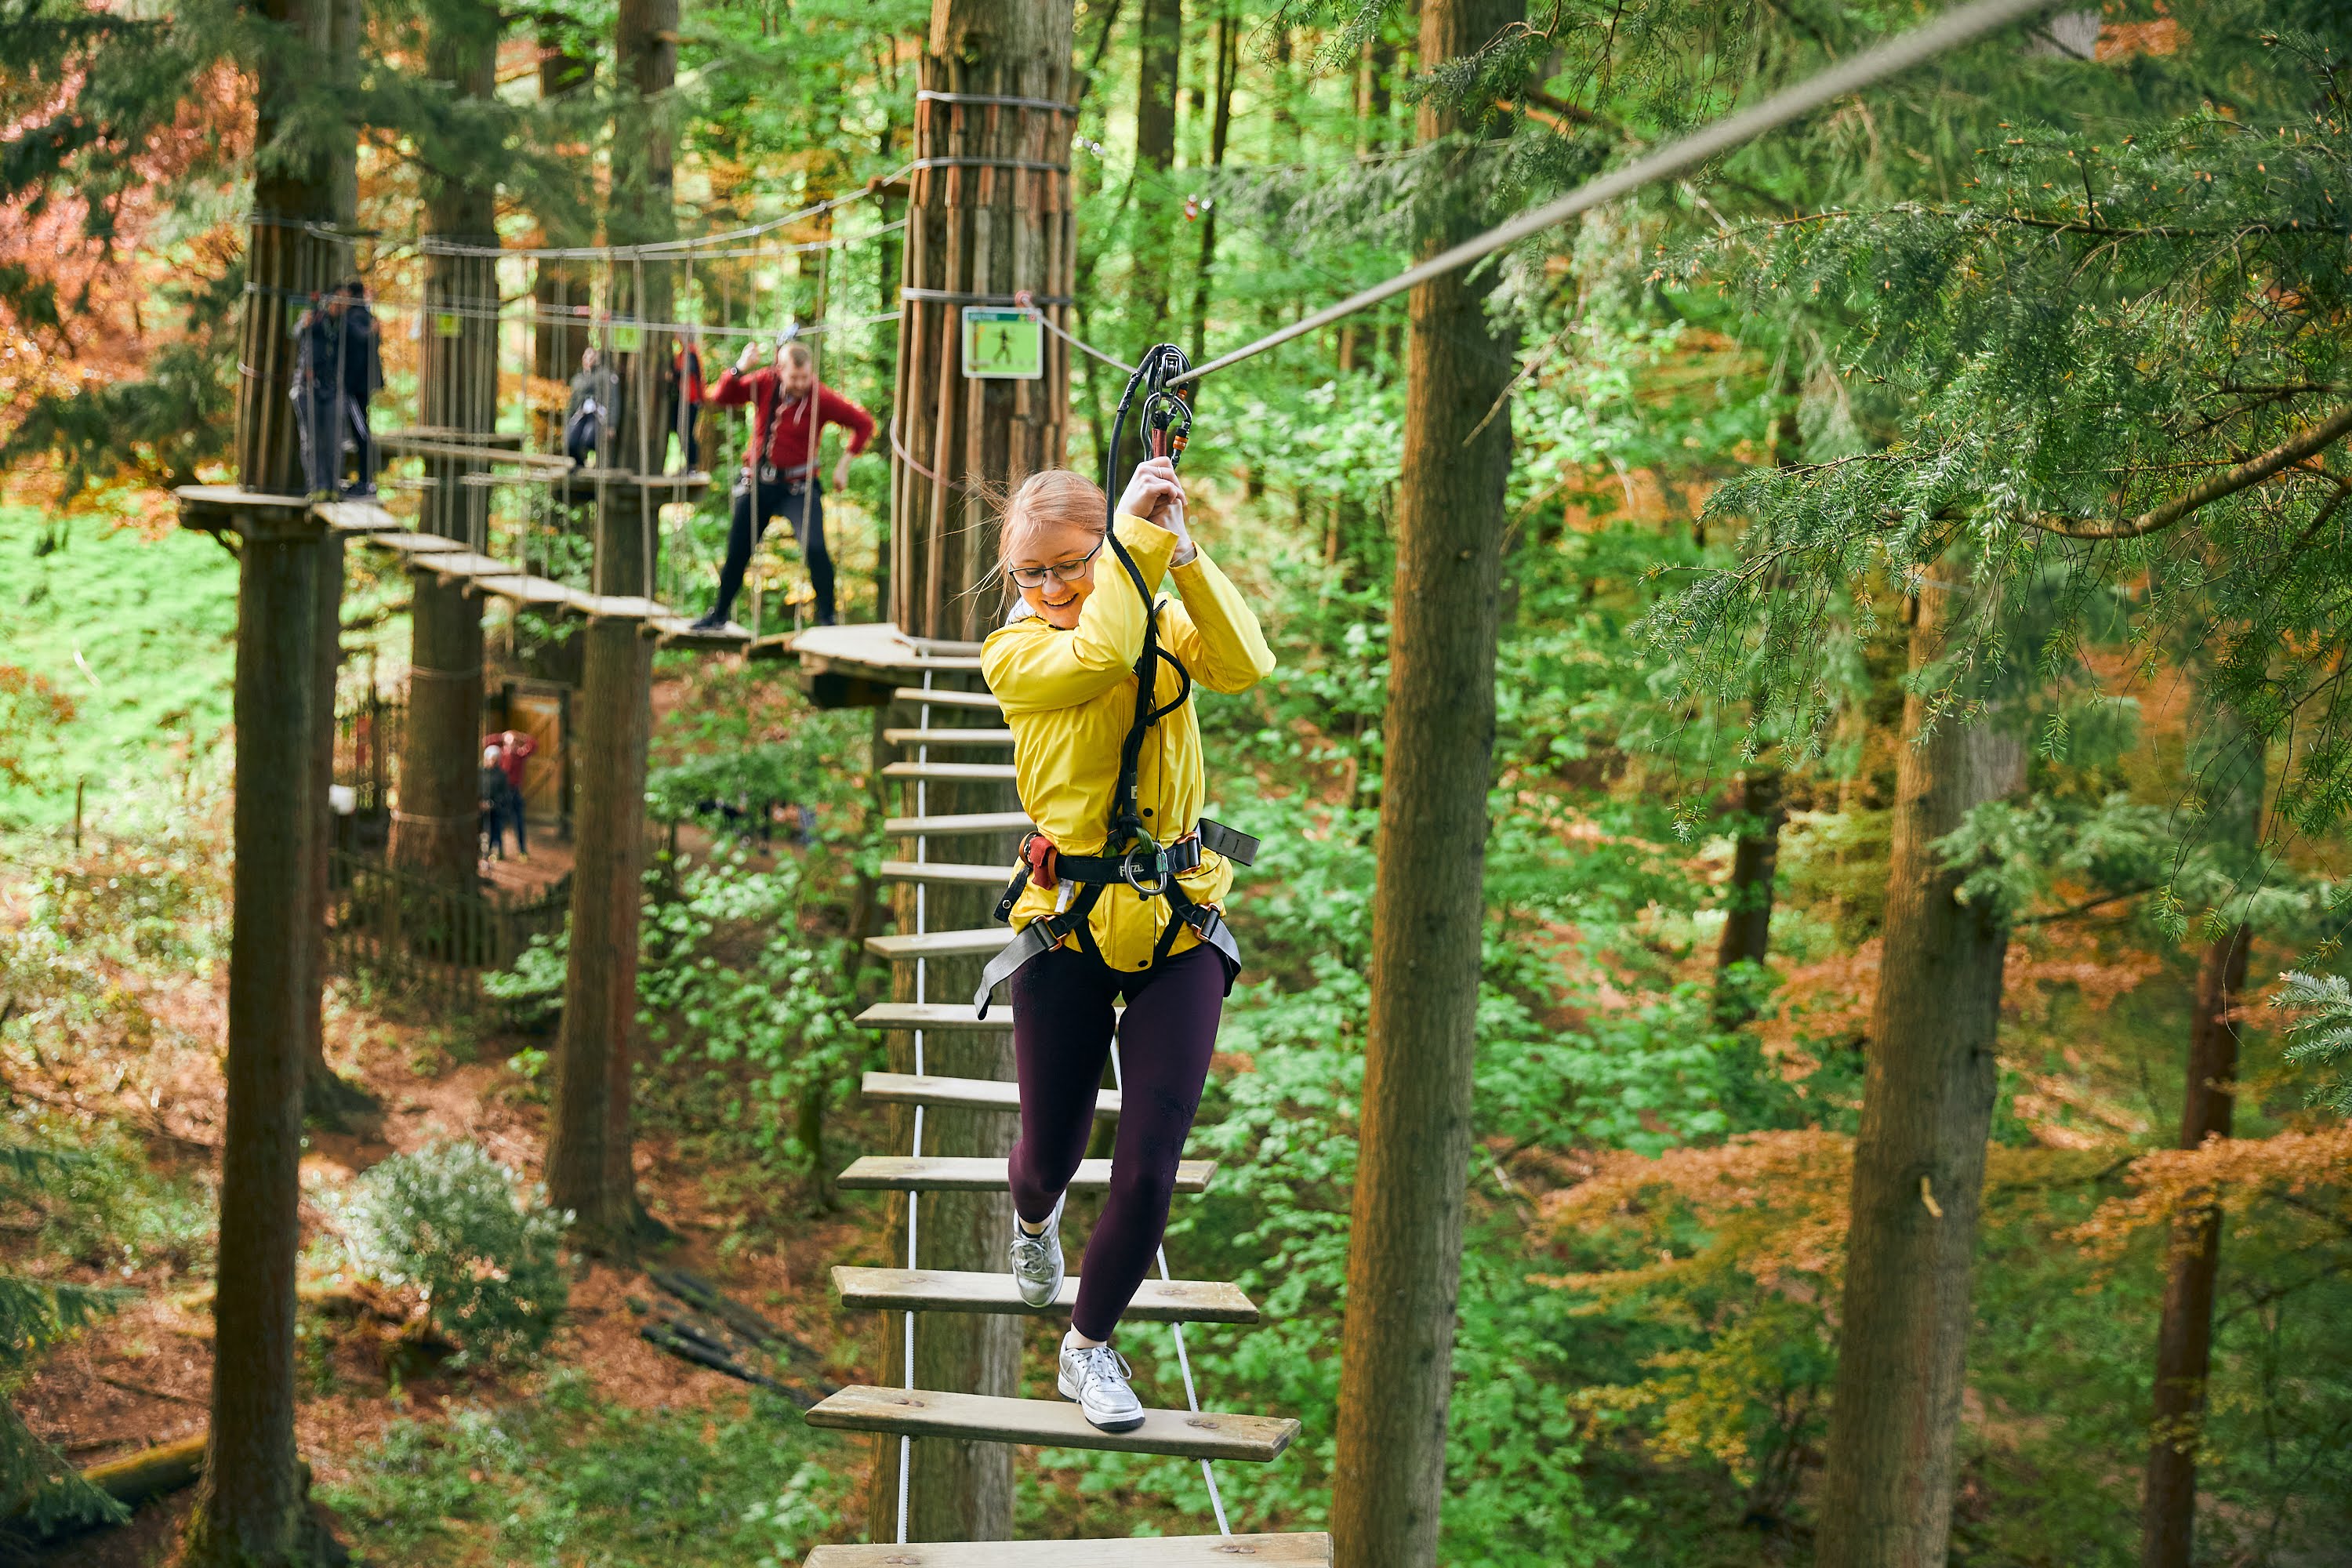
595	404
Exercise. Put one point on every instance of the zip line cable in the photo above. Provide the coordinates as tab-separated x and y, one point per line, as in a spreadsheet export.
1873	65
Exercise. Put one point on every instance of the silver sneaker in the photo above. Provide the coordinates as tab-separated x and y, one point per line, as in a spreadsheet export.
1096	1376
1037	1269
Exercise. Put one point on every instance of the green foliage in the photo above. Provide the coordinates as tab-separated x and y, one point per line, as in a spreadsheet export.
572	1479
447	1222
2322	1031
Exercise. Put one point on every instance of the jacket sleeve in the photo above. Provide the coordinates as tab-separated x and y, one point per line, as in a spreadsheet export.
1032	669
733	389
1213	631
854	420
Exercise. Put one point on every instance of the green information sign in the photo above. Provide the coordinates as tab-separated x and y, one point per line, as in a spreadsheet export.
1002	344
445	323
628	337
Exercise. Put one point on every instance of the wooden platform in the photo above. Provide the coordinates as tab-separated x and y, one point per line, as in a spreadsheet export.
1304	1550
875	651
942	697
967	1093
947	873
948	737
963	825
981	1174
955	1291
1057	1422
982	943
931	1015
950	773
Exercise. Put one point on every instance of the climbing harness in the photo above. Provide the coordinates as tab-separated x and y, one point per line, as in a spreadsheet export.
1132	853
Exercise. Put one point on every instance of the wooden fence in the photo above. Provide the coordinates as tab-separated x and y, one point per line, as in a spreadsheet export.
425	939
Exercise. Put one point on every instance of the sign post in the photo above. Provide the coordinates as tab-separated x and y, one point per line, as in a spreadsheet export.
1001	344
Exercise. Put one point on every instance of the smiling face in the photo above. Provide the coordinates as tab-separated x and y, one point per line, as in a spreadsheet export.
1052	543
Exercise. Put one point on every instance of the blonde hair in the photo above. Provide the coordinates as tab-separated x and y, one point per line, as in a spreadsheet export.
1051	497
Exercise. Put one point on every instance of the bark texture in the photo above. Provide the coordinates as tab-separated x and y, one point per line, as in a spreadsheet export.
1919	1169
436	831
977	235
1404	1256
591	1167
991	232
1748	901
2184	1344
249	1514
1160	60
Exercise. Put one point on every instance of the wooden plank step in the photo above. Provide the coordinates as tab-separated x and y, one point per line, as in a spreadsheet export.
941	943
525	589
974	772
414	543
948	737
355	517
970	1093
957	1290
981	1174
965	824
1302	1551
916	695
949	873
932	1016
1052	1423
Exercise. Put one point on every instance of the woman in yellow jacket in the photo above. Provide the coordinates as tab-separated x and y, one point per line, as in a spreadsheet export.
1064	668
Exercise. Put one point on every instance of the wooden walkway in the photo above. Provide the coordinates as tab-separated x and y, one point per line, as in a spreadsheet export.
225	509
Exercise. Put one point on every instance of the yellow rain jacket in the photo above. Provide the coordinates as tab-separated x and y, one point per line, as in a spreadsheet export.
1069	696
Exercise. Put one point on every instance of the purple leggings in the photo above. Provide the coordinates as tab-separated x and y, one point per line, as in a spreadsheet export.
1061	1034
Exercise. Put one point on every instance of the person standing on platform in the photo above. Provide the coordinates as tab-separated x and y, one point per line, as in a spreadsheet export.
514	749
595	392
320	346
789	409
363	370
683	394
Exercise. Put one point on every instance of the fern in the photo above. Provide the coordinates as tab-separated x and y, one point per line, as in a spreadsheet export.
2322	1034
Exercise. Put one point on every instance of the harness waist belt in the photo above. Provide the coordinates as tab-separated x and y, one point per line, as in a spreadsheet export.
1095	872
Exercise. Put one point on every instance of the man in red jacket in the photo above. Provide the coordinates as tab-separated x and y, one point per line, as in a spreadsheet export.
789	410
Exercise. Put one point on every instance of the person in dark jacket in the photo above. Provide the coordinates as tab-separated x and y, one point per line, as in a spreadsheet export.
494	789
363	368
514	749
595	396
789	409
320	346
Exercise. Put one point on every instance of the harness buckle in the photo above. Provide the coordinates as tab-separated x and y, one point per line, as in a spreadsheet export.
1157	859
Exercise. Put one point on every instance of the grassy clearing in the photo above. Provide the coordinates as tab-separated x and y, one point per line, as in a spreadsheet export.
138	635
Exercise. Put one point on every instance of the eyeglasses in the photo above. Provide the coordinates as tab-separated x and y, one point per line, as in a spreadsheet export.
1077	571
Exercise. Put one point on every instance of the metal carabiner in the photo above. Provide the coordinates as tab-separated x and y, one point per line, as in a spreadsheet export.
1157	859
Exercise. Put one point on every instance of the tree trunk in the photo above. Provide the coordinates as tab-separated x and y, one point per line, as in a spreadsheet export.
436	833
1918	1166
2184	1344
561	289
250	1511
1748	901
977	236
1221	126
1404	1256
326	1097
591	1168
1160	54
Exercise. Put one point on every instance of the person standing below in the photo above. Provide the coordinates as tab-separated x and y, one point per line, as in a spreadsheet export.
789	409
683	394
493	789
514	749
363	368
595	392
319	348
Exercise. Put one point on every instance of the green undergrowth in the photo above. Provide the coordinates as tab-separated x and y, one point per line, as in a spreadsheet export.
116	667
567	1478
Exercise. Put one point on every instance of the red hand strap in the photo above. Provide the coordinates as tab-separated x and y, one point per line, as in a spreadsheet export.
1039	851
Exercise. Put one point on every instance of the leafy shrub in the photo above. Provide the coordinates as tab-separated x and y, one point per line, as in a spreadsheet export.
445	1220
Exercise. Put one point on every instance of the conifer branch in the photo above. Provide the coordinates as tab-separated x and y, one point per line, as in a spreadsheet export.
2246	475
